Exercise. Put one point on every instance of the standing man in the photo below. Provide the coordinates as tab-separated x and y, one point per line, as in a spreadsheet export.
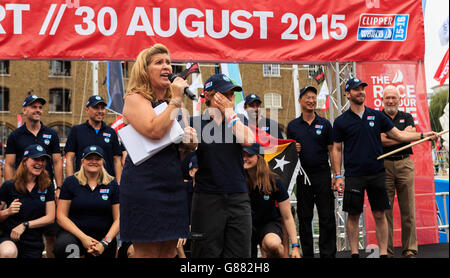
221	215
359	130
94	132
252	105
33	131
313	135
399	175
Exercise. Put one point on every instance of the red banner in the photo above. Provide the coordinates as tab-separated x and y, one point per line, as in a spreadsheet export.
409	78
214	30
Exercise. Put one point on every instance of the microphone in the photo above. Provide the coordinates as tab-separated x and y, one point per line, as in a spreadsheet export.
187	92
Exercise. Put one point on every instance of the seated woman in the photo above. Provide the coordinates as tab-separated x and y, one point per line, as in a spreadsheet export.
88	210
31	206
270	202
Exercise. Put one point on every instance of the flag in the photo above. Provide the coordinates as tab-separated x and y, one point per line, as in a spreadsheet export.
318	75
232	71
443	32
118	123
19	120
281	156
442	72
114	86
323	101
190	68
283	160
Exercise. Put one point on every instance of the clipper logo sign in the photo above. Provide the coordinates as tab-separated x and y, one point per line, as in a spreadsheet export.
383	27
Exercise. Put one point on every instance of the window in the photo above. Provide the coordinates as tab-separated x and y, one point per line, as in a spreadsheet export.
271	70
4	99
272	101
62	131
4	67
59	68
59	100
4	133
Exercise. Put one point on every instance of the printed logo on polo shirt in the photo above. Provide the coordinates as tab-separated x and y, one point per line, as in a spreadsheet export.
266	197
47	136
46	141
318	129
371	119
104	193
107	136
402	121
42	197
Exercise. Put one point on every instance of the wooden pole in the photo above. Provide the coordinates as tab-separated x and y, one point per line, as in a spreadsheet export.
410	145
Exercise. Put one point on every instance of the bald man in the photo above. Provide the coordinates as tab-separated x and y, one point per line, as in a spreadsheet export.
399	175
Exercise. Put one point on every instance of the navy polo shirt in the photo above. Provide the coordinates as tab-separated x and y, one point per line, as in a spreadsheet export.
90	210
314	140
21	138
84	135
220	164
362	140
33	207
401	121
265	207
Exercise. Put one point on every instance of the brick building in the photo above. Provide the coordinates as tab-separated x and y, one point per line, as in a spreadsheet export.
66	85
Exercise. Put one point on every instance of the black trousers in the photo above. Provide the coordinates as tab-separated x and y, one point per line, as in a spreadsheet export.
319	193
222	224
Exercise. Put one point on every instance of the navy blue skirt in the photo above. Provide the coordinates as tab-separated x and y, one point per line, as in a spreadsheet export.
153	200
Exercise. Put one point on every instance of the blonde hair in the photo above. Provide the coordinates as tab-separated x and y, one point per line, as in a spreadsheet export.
265	178
20	178
139	82
104	178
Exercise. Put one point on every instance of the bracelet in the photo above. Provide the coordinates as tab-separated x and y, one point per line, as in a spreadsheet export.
421	135
338	176
295	245
104	243
58	188
175	102
232	117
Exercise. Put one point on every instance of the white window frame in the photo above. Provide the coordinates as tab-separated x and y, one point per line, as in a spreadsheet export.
273	101
271	70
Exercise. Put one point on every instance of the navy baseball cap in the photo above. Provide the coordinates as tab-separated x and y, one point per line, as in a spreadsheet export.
353	83
251	98
94	100
220	83
35	151
92	149
306	89
255	148
32	98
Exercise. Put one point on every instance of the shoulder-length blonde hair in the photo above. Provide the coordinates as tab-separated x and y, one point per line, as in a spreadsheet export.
20	178
104	178
139	82
265	178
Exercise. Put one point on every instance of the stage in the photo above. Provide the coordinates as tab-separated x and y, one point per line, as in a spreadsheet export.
438	250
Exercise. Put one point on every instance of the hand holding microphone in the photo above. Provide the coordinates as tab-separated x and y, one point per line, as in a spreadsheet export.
187	92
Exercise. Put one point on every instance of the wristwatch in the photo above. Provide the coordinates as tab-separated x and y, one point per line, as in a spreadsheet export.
26	224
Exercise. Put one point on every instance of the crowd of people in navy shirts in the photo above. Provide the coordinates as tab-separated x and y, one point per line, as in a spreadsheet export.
198	198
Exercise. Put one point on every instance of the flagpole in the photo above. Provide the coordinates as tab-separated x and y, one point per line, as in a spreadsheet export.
194	102
94	78
410	145
296	90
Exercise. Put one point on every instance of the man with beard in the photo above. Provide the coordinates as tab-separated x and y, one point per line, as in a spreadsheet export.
35	132
359	130
252	105
399	175
94	132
